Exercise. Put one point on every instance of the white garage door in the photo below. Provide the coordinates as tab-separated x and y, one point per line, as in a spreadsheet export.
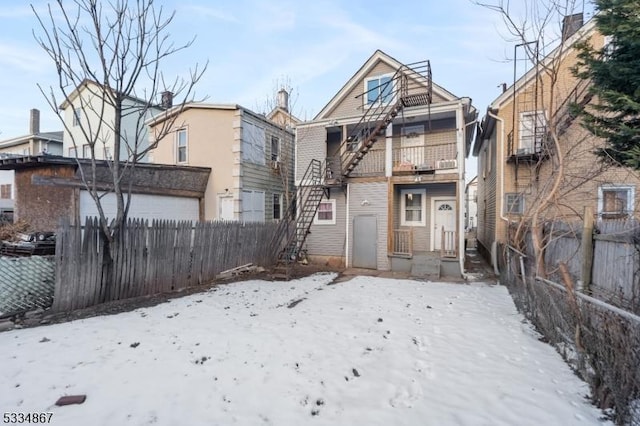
144	206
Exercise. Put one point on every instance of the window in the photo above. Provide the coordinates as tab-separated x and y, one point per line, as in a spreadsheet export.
73	152
413	207
107	153
275	149
86	151
253	140
5	191
379	90
277	206
326	213
253	206
532	132
76	117
615	201
181	145
608	48
513	203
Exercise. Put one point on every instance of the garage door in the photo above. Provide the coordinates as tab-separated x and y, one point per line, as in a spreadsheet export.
144	206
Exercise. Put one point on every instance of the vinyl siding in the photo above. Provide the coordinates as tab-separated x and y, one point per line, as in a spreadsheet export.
310	144
376	194
487	189
258	177
329	240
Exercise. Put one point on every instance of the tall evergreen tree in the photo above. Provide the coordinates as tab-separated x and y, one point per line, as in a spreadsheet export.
614	71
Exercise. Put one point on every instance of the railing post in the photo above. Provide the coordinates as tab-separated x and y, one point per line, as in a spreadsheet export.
587	249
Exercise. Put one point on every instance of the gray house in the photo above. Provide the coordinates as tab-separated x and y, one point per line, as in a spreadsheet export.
390	148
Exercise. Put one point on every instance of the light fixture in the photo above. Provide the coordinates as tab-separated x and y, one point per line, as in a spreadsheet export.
365	203
418	178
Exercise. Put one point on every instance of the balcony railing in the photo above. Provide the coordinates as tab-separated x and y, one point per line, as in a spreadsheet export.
403	242
427	157
448	244
372	164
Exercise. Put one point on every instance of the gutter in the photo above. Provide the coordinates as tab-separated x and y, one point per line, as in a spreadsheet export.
500	194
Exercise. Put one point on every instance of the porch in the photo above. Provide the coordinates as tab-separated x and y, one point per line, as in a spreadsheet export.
423	238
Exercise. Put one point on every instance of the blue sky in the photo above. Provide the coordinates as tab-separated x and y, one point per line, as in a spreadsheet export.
253	44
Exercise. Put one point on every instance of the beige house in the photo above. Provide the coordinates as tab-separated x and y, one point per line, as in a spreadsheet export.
518	162
250	156
390	147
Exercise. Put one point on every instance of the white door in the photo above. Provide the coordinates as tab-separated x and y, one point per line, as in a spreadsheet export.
226	208
444	214
412	146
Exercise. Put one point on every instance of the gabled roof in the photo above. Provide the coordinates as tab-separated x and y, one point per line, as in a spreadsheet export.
530	75
43	136
85	84
377	57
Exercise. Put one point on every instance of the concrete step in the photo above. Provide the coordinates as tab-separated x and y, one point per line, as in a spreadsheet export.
427	267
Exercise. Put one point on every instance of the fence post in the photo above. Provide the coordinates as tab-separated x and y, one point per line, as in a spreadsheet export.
587	248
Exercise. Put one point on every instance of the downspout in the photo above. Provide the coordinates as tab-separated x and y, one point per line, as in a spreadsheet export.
500	195
346	246
460	120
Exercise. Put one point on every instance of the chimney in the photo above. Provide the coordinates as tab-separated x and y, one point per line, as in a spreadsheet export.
166	100
34	122
283	99
571	24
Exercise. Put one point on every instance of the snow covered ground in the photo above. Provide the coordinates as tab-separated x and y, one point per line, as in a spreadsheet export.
369	351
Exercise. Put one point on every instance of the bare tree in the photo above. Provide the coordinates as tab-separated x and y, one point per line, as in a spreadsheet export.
558	179
108	58
278	107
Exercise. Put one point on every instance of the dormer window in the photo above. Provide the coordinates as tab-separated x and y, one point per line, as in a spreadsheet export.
379	90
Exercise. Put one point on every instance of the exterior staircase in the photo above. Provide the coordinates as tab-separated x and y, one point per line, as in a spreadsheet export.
393	96
294	228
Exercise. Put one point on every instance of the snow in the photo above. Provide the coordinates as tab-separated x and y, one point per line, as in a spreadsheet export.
369	351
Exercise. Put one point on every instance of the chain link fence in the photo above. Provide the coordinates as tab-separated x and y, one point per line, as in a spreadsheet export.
600	341
26	283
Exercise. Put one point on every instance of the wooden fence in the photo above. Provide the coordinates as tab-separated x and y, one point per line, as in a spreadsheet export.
152	258
609	268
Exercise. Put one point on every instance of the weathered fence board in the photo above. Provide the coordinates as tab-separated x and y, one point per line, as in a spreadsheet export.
149	259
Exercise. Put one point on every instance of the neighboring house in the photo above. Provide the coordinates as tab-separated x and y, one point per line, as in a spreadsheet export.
33	143
281	114
86	113
390	150
517	162
50	188
471	196
251	159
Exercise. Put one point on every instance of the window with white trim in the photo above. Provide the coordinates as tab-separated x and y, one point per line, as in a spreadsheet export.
277	206
413	207
616	201
513	203
533	130
73	152
253	206
86	151
107	153
181	146
326	214
275	148
76	117
253	141
378	90
5	191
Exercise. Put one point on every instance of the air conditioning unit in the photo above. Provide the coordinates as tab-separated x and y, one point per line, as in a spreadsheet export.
275	165
446	164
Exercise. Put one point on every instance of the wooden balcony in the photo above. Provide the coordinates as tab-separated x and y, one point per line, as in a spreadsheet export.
372	164
425	158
